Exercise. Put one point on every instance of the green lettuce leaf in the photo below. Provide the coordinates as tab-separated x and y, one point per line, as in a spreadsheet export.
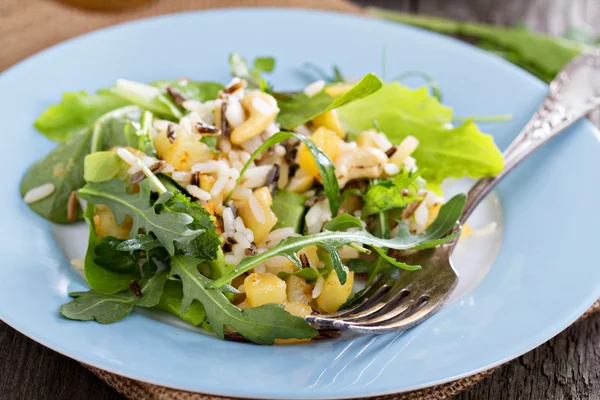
75	112
299	108
110	308
192	90
147	97
104	166
442	152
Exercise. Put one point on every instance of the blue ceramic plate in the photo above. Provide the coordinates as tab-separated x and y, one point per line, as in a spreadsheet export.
544	277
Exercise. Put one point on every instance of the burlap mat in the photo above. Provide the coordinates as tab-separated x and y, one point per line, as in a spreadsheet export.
28	26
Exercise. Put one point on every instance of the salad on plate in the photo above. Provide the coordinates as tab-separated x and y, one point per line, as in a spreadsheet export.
240	208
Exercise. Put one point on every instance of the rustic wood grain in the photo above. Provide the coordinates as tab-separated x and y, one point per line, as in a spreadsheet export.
564	368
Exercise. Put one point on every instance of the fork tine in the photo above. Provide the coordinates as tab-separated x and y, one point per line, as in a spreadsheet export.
372	294
379	308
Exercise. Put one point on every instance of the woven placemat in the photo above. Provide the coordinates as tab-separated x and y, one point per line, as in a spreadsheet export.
28	26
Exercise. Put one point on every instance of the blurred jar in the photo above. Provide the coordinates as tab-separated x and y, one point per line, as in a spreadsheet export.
106	5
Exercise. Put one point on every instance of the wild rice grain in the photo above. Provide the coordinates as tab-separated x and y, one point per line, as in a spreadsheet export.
171	135
206	129
38	193
136	289
175	95
272	179
257	210
72	207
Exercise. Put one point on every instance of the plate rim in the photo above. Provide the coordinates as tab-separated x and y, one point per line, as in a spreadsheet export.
573	315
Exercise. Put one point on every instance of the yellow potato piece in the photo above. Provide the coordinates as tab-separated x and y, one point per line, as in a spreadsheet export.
300	182
259	228
298	291
104	224
184	152
263	288
298	309
326	140
330	121
334	294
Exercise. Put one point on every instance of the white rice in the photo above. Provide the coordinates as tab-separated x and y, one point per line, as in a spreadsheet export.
419	218
161	125
181	176
277	262
241	240
303	130
391	169
318	287
382	142
241	193
276	236
262	106
198	193
39	193
234	112
238	224
260	268
185	126
251	145
272	129
255	177
224	144
284	176
257	210
314	88
348	253
223	177
244	156
316	216
208	167
231	259
127	156
228	219
280	150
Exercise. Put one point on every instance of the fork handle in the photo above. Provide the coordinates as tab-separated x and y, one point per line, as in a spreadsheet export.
572	94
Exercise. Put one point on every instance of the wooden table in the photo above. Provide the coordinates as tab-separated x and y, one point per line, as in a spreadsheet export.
567	367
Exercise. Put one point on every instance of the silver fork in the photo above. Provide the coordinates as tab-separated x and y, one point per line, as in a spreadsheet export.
395	305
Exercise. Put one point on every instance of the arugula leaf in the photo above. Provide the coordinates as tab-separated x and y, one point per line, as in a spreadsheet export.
169	227
260	325
192	90
75	112
299	108
331	240
104	166
211	142
99	278
63	167
110	308
107	255
388	195
239	68
542	55
147	97
170	301
289	209
324	164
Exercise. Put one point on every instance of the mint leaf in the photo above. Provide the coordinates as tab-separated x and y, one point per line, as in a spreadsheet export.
261	325
167	227
299	108
110	308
